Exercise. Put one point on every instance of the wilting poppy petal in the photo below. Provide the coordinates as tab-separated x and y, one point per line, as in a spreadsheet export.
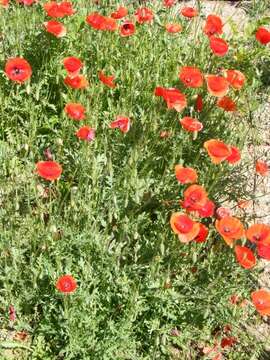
263	35
218	46
120	13
207	210
144	15
107	80
235	155
168	3
259	234
66	284
217	85
226	103
122	123
245	256
49	170
202	235
217	150
18	70
173	28
73	65
189	12
230	229
235	78
195	197
75	110
263	251
127	29
191	76
191	124
222	212
243	204
86	133
55	28
213	25
173	97
261	301
185	175
77	82
262	168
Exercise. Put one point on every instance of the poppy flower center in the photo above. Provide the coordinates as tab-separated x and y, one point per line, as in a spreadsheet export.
17	70
126	26
226	229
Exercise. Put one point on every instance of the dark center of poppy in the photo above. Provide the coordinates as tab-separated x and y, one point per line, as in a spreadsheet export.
226	229
188	80
257	237
126	26
17	70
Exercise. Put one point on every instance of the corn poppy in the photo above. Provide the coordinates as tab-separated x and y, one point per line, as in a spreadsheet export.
73	65
263	35
100	22
218	46
202	235
59	10
173	97
18	70
226	103
189	12
49	170
26	2
191	76
207	210
120	13
122	123
76	82
263	251
127	29
75	111
66	284
199	103
245	257
230	229
168	3
4	3
55	28
235	78
144	15
217	150
262	168
184	227
86	133
191	124
228	342
107	80
110	24
173	28
235	155
222	212
261	301
195	197
185	175
213	25
259	234
217	85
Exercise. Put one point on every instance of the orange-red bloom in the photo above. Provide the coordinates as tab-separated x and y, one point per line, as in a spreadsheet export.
191	76
207	210
75	111
49	170
263	35
185	175
73	65
59	10
202	235
55	28
107	80
235	155
218	46
263	251
189	12
191	124
261	301
144	15
184	227
235	78
168	3
259	234
127	29
226	103
66	284
4	3
245	256
120	13
199	103
76	82
213	25
86	133
122	123
217	85
262	168
26	2
173	97
217	150
173	28
100	22
18	70
230	229
195	197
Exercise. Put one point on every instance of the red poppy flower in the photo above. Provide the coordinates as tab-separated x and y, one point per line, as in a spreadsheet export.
127	29
217	150
49	170
263	251
189	12
235	155
66	284
222	212
107	80
199	103
226	103
173	97
86	133
263	35
195	197
73	66
261	301
230	229
76	82
26	2
235	78
168	3
110	24
59	10
18	70
144	15
218	46
55	28
213	25
217	85
185	175
191	77
4	3
191	124
75	111
207	210
120	13
100	22
122	123
262	168
173	28
228	342
202	235
259	234
184	227
245	256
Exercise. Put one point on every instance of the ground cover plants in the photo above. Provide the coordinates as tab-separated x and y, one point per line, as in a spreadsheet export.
126	229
